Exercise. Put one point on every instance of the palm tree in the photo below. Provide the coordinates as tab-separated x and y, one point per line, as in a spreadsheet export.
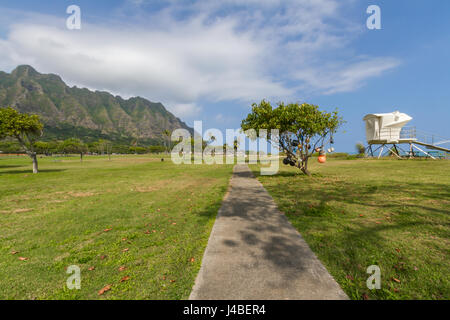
236	146
167	134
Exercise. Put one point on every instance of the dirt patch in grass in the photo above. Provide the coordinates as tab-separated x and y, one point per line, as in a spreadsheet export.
22	210
81	194
62	256
174	184
161	212
140	160
145	189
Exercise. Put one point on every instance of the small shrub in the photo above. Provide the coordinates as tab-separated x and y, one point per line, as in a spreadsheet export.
360	148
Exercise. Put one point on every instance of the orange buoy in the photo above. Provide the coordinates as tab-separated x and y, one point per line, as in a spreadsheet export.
322	159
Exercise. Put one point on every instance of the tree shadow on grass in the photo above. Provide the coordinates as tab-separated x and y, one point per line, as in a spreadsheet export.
293	173
392	213
322	198
30	171
262	228
391	195
351	252
10	166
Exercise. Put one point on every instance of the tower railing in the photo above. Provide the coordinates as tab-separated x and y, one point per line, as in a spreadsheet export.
408	133
422	136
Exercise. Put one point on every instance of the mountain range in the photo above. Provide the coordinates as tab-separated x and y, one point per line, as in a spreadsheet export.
79	112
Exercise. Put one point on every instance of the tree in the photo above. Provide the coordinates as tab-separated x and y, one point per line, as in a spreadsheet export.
156	149
2	132
211	140
74	145
303	129
53	147
196	140
138	150
225	147
108	146
167	140
360	148
42	147
236	144
102	146
25	128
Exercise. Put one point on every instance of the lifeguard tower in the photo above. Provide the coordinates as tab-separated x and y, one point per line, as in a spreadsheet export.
385	129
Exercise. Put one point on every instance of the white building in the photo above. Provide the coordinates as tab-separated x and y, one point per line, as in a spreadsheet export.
385	128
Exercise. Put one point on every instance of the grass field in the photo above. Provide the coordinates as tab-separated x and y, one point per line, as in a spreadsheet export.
140	226
390	213
133	223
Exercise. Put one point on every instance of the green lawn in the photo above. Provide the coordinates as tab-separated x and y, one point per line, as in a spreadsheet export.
390	213
148	222
149	217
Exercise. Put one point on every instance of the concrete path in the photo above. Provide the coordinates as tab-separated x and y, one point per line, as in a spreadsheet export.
254	253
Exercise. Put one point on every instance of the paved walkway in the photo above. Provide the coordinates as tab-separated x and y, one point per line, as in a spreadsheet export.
254	252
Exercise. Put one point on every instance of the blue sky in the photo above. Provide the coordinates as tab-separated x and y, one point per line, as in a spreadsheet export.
209	60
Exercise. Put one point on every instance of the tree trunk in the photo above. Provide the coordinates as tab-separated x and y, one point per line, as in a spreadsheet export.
81	156
305	171
35	162
305	167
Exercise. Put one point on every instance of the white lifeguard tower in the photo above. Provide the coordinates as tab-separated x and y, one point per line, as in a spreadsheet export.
385	129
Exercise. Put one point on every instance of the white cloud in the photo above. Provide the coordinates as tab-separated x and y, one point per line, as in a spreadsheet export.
185	109
330	79
180	65
218	50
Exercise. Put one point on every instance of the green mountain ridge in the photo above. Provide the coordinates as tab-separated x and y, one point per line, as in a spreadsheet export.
79	112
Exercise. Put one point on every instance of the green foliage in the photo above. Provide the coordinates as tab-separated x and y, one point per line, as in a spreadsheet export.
23	127
10	146
73	112
235	144
101	146
360	148
19	125
156	149
197	140
68	147
303	123
42	147
73	145
138	150
167	141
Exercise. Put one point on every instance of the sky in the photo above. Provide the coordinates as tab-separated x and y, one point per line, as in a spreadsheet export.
210	60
